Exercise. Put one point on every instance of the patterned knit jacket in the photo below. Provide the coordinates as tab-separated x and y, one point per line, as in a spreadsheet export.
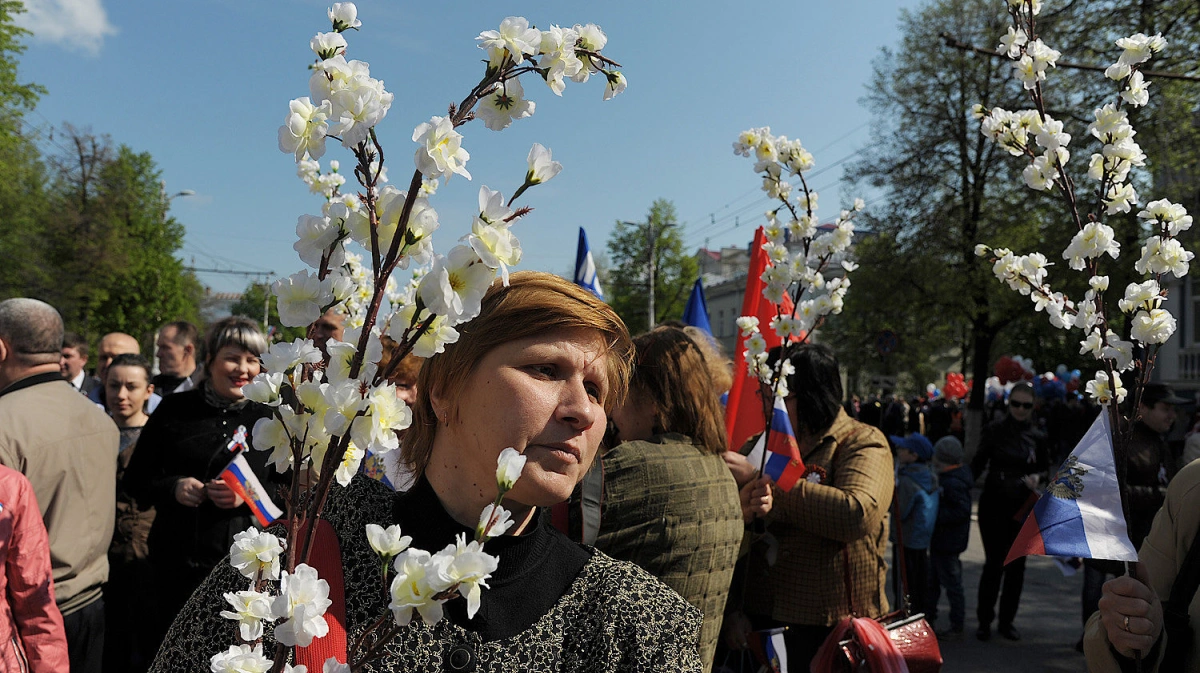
614	616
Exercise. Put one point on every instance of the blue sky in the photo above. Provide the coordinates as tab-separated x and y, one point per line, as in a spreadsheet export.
203	86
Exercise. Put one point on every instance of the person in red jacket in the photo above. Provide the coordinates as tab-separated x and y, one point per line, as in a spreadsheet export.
31	628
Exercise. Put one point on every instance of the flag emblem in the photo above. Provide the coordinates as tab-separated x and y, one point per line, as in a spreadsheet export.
1068	481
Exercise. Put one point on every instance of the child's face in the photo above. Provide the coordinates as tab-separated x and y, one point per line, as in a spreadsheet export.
905	455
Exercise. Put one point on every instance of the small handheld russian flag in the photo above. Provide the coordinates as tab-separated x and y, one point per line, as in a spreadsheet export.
1080	513
238	475
783	452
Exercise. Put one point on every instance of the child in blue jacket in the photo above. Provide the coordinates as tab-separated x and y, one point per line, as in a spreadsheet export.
917	508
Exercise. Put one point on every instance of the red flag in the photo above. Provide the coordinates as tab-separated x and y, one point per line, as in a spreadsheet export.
744	410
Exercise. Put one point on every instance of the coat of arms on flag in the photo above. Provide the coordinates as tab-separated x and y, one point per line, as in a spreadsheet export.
1080	513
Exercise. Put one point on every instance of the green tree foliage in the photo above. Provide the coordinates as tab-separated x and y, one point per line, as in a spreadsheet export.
675	271
111	242
21	171
254	299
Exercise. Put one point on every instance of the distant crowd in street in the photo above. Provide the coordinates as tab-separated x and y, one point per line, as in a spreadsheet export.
114	514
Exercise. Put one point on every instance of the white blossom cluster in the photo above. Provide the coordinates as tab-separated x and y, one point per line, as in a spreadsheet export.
1034	134
332	406
420	581
800	253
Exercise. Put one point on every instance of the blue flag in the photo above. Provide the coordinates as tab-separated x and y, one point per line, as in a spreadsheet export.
696	311
585	267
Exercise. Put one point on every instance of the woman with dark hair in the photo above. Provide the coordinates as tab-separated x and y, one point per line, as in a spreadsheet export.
182	450
127	595
831	529
538	370
670	504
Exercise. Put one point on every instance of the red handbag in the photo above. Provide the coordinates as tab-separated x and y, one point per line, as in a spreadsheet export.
911	635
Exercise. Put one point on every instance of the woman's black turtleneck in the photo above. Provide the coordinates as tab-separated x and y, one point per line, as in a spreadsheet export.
535	569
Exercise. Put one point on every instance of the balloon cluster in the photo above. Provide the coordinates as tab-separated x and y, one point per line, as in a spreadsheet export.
1013	369
956	387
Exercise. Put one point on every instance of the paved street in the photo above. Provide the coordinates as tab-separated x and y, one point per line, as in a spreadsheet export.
1049	621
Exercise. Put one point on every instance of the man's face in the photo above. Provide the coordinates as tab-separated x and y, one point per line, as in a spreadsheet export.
1159	417
111	346
71	363
1020	405
174	359
329	326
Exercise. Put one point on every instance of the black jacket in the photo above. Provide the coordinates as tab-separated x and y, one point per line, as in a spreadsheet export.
1009	451
187	437
953	529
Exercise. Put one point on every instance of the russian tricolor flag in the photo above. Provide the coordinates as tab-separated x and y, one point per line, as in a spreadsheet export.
242	480
783	464
1080	513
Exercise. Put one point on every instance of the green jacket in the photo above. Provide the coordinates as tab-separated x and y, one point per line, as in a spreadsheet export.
674	510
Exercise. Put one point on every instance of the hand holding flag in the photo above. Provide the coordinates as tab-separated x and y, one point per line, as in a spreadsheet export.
783	462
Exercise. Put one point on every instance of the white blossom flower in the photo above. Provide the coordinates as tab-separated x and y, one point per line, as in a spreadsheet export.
1138	48
509	465
387	542
1094	344
1011	43
256	553
1136	91
271	434
1098	283
1104	391
1094	240
301	298
593	39
1171	215
332	665
487	528
414	587
496	246
505	103
468	568
440	153
1111	125
1051	135
756	344
1119	351
316	235
387	415
1161	255
302	601
1140	295
344	16
454	287
616	84
328	45
264	389
541	166
1040	174
241	659
748	324
351	460
282	357
250	608
1119	199
515	37
304	128
1152	327
559	59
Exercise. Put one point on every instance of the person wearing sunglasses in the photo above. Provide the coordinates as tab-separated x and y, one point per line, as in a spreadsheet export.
1013	451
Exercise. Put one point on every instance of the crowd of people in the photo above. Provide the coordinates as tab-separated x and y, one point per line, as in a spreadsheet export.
643	541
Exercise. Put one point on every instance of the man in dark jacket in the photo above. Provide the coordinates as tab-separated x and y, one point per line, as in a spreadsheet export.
1013	451
950	535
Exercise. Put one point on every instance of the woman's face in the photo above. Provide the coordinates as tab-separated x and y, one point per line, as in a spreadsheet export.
542	396
127	391
231	368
